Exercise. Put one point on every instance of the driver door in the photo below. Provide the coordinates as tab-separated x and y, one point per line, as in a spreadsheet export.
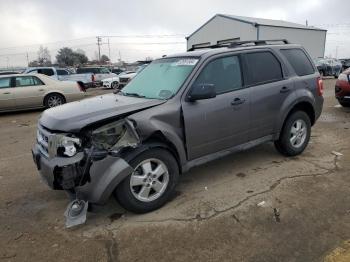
218	123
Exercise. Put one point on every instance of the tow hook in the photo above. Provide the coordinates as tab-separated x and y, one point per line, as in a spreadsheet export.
76	213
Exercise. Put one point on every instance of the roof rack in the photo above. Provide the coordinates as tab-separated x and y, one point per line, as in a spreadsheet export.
234	44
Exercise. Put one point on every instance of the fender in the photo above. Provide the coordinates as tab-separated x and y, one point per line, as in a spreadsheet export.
297	97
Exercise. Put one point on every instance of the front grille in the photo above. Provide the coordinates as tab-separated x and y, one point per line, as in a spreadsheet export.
42	137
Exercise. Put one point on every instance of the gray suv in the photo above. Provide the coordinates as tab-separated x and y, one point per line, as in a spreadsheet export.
179	112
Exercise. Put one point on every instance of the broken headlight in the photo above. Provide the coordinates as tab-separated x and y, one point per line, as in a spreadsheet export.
115	135
63	145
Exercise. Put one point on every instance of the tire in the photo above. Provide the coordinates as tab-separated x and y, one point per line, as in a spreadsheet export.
344	104
295	134
53	100
114	85
142	197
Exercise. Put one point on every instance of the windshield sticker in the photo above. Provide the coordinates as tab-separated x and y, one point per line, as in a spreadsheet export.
185	62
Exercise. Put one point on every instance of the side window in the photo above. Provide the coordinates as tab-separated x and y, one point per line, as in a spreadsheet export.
61	72
37	81
27	81
5	82
224	73
262	67
299	61
46	71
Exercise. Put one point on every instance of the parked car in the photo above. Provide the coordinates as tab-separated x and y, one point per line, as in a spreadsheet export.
27	91
117	71
345	63
328	67
62	74
112	82
124	79
342	88
99	73
181	111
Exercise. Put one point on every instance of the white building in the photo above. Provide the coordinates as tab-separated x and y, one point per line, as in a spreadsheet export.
221	28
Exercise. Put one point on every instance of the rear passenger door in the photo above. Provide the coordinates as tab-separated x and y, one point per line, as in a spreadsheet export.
215	124
29	91
268	88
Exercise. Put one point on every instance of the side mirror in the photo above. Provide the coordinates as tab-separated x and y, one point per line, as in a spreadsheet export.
202	91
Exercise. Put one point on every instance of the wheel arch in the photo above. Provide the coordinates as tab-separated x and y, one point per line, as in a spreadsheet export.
302	105
156	140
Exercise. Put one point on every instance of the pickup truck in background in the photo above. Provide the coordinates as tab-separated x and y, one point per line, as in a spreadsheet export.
63	74
99	73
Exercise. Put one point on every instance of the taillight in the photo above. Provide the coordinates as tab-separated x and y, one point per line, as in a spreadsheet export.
320	86
81	87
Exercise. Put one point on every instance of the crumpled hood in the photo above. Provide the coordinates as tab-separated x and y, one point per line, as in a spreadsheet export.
74	116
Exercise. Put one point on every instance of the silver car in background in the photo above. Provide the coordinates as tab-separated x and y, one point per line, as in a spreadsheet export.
27	91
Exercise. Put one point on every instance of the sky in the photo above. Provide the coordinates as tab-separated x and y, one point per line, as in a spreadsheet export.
137	29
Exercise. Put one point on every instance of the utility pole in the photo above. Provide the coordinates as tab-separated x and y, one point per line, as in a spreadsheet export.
99	40
27	59
306	23
7	61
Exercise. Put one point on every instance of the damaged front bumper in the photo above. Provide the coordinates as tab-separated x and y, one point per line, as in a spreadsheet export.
62	173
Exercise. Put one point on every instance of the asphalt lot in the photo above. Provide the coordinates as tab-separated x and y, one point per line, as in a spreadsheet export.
252	206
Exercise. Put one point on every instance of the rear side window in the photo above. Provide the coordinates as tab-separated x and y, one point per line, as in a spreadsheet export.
224	73
46	71
28	81
5	82
263	67
61	72
299	61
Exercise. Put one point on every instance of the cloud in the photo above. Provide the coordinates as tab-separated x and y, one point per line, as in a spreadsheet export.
28	22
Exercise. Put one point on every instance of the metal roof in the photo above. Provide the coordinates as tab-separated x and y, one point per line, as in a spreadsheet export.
261	21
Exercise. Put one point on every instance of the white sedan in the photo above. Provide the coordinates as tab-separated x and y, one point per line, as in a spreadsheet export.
112	82
27	91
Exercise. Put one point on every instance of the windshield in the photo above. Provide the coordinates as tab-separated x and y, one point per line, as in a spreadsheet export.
161	79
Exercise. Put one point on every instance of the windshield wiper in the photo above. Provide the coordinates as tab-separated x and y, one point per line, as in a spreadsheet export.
132	94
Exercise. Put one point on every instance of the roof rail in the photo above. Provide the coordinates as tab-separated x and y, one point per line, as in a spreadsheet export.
234	44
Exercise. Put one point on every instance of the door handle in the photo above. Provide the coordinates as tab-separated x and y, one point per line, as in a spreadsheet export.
284	89
41	90
7	93
237	101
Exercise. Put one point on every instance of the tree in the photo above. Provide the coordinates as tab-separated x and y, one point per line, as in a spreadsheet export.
44	57
67	57
104	59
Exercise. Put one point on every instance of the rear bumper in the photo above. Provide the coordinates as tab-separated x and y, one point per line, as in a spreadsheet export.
61	173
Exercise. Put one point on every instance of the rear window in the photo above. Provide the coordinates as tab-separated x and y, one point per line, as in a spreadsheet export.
299	61
263	67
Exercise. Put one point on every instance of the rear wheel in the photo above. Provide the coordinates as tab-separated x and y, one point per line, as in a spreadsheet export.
151	184
295	134
53	100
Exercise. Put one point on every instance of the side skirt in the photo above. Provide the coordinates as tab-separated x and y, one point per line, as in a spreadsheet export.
205	159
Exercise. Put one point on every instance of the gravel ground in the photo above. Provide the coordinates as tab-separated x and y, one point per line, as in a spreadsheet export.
253	206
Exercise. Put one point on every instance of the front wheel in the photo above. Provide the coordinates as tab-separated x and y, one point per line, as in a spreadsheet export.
295	134
152	182
114	85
